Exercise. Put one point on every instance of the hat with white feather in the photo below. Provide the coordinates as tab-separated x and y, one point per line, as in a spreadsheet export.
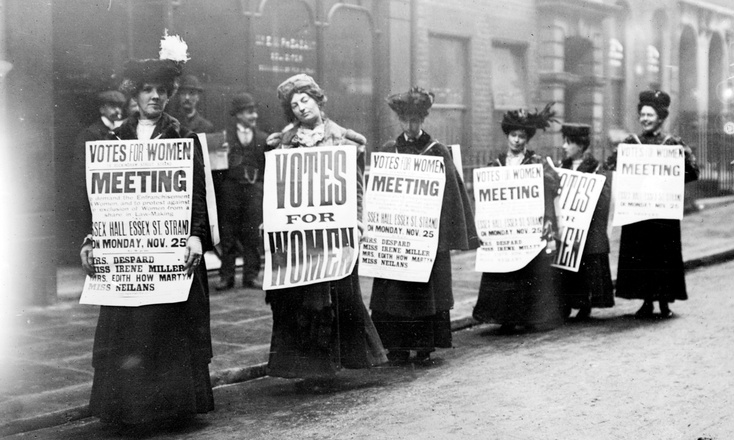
165	69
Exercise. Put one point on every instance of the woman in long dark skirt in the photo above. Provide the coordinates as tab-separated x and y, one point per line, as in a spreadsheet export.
526	297
411	315
650	256
151	363
322	327
592	285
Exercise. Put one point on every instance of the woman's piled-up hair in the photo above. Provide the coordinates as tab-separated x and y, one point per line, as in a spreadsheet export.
527	121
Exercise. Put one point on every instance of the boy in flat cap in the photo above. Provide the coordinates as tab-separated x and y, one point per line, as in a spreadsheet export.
77	215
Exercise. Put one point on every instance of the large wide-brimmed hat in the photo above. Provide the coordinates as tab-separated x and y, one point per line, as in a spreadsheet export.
169	65
112	97
528	121
241	101
656	99
571	129
414	103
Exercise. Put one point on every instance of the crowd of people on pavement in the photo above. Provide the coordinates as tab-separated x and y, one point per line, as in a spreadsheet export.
151	363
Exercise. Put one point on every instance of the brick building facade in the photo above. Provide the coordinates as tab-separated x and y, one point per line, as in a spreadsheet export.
480	57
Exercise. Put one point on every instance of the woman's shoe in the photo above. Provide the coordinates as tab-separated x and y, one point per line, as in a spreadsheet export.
583	314
506	329
665	312
224	284
645	311
398	357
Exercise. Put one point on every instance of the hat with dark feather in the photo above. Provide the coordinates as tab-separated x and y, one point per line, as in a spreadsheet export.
528	121
414	102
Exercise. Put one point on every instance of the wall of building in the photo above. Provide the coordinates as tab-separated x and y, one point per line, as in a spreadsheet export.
29	268
64	52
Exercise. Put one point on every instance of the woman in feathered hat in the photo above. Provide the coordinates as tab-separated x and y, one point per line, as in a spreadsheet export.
592	285
650	264
322	327
414	316
151	363
526	297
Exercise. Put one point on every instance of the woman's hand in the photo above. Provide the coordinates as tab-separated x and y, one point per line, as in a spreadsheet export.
548	230
193	254
274	139
87	257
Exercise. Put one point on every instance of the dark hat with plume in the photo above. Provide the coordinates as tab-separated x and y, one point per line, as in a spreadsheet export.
656	99
171	58
570	129
525	120
240	102
111	97
414	102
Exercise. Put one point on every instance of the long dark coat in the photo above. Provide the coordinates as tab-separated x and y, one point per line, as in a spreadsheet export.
322	327
592	285
650	255
410	315
239	202
152	362
528	296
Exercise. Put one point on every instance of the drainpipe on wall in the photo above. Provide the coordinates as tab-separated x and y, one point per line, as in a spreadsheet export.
413	41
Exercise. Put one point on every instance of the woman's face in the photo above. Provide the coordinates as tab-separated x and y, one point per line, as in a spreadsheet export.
411	126
306	109
517	140
152	99
650	120
572	150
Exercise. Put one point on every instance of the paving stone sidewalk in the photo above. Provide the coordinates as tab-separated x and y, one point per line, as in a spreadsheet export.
46	378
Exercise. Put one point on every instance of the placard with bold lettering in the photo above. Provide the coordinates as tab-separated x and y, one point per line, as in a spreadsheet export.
140	194
649	183
575	208
309	215
402	214
509	216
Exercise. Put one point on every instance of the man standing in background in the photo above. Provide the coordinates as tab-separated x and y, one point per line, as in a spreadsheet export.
240	198
73	203
189	94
